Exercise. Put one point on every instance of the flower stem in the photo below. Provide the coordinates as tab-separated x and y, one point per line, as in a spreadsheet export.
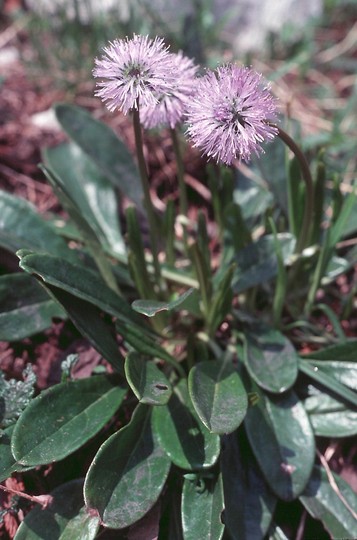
153	229
181	182
303	238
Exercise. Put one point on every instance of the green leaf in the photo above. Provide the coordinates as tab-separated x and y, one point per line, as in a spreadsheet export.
343	372
282	440
87	318
25	307
90	190
333	509
330	417
103	147
79	281
81	527
128	473
252	197
151	307
218	395
182	435
257	263
62	418
8	464
142	343
341	351
56	520
328	382
271	359
202	508
147	381
21	227
249	503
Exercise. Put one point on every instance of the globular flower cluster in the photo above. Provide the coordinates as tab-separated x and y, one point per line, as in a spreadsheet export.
228	115
172	104
228	111
134	70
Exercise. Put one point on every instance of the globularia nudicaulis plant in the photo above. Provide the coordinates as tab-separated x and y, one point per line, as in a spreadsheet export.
206	417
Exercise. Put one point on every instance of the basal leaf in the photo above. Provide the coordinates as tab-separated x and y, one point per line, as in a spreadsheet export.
218	395
282	440
8	464
202	508
87	318
335	510
25	307
79	281
249	503
151	307
257	263
128	473
182	435
90	190
330	417
147	381
271	359
341	351
62	418
103	147
22	227
54	521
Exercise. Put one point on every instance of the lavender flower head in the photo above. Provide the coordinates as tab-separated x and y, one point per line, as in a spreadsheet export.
172	103
134	70
228	115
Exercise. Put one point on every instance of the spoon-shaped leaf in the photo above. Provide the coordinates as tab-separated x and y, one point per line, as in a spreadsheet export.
147	381
62	418
202	508
218	395
270	358
151	307
25	307
182	435
283	442
128	473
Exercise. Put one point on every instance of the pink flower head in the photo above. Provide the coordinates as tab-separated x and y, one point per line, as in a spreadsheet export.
171	104
228	115
134	70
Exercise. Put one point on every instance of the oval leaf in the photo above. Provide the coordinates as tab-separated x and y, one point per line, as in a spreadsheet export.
79	281
249	503
343	372
8	464
202	508
257	262
182	435
337	511
103	147
22	227
128	473
54	521
91	192
147	381
64	417
87	318
330	417
151	307
271	360
283	442
25	307
218	395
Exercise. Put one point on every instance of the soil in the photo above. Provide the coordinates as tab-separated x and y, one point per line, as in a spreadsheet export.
21	139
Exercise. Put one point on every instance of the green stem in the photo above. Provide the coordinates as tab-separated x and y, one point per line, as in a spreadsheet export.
153	229
303	238
181	181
